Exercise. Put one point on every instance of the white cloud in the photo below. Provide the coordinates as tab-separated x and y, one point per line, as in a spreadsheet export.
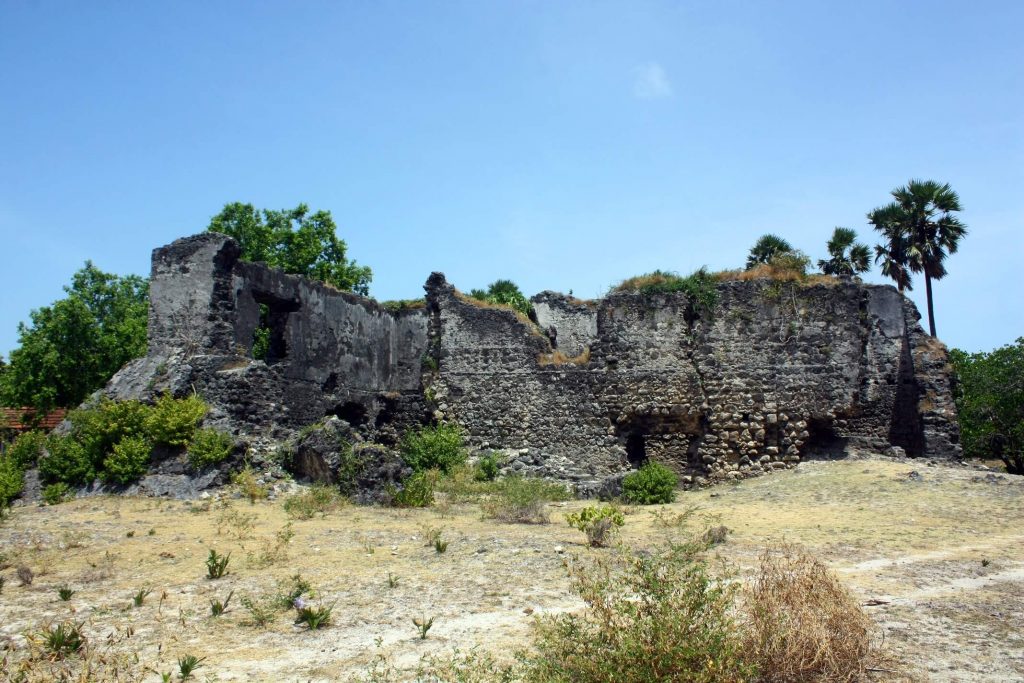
650	82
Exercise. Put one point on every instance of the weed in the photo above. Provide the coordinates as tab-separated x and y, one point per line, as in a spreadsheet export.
2	582
317	499
240	524
715	535
187	665
313	617
423	624
140	596
522	499
986	562
217	565
417	491
291	590
598	523
65	592
151	532
274	551
392	580
440	545
699	286
247	484
25	575
487	467
130	534
261	610
217	607
64	639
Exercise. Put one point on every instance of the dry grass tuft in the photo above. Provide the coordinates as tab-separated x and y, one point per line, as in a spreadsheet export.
556	357
532	326
656	280
803	625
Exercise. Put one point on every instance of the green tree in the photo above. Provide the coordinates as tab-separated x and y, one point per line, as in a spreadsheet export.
76	344
295	241
504	292
847	256
766	248
989	392
920	230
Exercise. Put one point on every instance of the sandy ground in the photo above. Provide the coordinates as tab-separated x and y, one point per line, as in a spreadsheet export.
936	554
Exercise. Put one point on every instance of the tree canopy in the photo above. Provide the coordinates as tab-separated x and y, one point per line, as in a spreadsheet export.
766	248
920	230
847	256
73	346
295	241
989	394
504	292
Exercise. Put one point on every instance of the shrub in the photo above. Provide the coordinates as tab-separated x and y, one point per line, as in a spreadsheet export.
209	447
417	491
317	499
66	462
129	460
26	449
217	565
487	467
174	421
54	494
651	484
64	639
523	499
312	617
438	447
248	484
98	427
803	625
12	480
504	293
598	523
651	617
699	286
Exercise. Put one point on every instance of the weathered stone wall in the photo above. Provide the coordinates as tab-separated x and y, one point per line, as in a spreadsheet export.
776	372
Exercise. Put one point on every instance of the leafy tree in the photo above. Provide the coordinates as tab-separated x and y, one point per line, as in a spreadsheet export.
295	241
766	248
920	230
847	255
504	292
76	344
990	402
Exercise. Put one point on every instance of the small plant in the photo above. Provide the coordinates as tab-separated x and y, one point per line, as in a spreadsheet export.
151	532
217	565
423	624
64	639
651	484
598	523
487	467
187	665
986	562
65	593
209	447
392	580
55	494
522	500
3	580
417	491
313	617
249	485
130	534
318	499
272	551
430	448
25	575
440	545
217	607
291	590
140	596
261	610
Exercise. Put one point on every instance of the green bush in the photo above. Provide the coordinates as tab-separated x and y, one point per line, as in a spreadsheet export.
487	467
523	499
651	617
100	426
651	484
700	286
209	447
174	421
54	494
417	491
433	448
598	523
128	461
12	480
66	462
26	449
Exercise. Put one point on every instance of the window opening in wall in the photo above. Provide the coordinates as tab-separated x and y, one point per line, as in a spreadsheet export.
636	449
268	338
351	412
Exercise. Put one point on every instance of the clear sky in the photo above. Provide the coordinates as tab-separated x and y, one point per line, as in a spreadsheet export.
564	145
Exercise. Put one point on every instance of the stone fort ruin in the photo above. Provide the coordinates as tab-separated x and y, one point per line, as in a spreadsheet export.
775	373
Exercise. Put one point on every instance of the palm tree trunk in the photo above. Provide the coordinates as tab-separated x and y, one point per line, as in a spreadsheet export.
931	308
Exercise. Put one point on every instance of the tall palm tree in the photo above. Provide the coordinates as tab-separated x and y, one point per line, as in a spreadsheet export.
848	256
766	248
920	231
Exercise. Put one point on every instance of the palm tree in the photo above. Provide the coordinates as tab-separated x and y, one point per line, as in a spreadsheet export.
849	257
920	231
766	248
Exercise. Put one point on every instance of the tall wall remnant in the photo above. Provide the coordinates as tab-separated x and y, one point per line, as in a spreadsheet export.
775	373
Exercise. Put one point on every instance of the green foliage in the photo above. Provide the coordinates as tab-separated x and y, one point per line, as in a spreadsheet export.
423	625
73	346
66	462
173	421
139	598
846	255
55	494
294	240
12	480
400	305
651	617
65	593
261	335
794	263
209	447
187	665
261	610
217	608
767	248
128	461
312	617
651	484
26	448
317	499
699	286
522	500
505	293
64	639
417	491
438	447
487	467
248	484
599	523
217	565
989	393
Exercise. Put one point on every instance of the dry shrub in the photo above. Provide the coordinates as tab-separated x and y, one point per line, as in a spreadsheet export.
558	358
803	625
479	303
763	271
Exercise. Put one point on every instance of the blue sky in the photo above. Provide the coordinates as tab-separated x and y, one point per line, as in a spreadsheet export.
564	145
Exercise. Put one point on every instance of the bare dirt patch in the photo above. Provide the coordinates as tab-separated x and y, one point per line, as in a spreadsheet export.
935	551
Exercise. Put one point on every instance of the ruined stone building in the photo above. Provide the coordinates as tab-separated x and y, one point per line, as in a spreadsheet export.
774	373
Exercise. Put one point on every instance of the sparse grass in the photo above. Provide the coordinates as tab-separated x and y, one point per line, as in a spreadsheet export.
556	357
699	286
272	551
66	638
248	484
217	608
531	326
318	499
140	596
522	500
